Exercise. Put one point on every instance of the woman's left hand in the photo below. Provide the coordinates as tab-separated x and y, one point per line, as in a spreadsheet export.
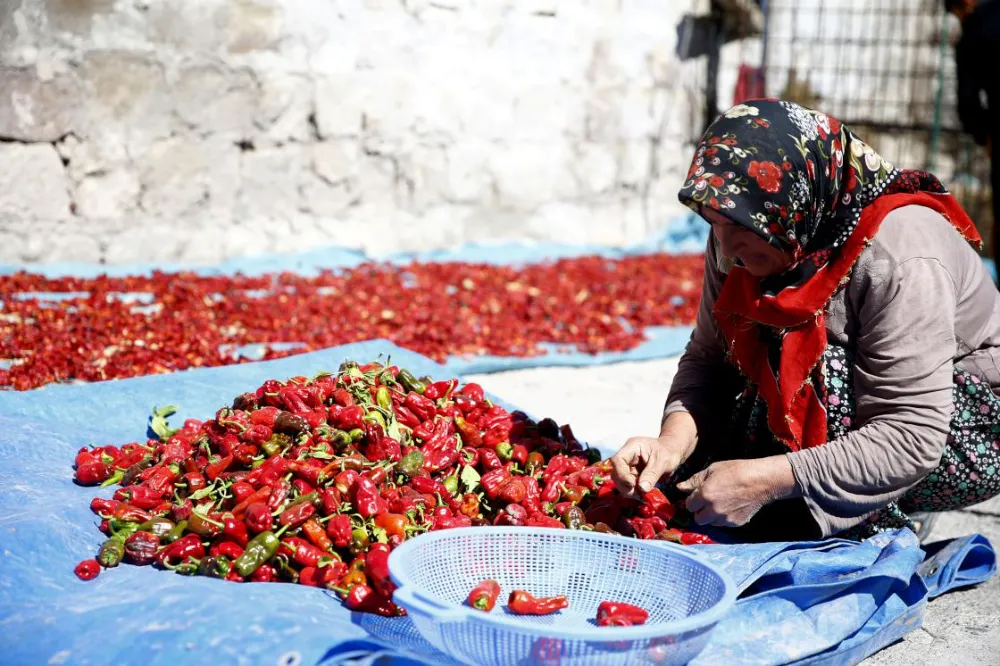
729	493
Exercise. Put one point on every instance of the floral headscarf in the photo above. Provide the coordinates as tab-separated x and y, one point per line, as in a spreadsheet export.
805	183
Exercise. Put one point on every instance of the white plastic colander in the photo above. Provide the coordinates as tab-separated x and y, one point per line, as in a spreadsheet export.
435	572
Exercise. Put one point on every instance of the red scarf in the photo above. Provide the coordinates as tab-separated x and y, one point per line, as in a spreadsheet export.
796	415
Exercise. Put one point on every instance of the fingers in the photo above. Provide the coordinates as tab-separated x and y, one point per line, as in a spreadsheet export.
655	468
625	466
693	483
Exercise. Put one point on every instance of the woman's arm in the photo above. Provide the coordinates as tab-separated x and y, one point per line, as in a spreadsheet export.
903	390
643	461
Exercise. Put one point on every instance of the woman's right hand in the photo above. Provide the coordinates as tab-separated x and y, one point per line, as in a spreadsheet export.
643	461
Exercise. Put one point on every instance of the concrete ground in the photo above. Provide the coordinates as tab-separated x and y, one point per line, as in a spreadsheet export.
608	404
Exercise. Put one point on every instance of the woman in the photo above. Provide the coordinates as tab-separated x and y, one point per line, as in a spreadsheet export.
864	329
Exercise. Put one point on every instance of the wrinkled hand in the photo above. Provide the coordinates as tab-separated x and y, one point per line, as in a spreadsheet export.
731	492
643	461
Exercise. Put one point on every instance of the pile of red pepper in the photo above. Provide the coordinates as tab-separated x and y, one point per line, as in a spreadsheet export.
592	303
315	481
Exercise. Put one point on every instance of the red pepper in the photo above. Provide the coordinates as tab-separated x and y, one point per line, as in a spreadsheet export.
392	523
180	550
495	435
343	481
532	494
195	481
339	530
377	569
104	507
362	598
494	480
604	511
87	569
469	432
304	552
162	479
383	448
440	389
558	466
279	493
265	573
261	495
332	501
553	489
611	609
574	494
522	603
489	459
513	491
473	391
422	407
93	473
229	549
405	416
302	487
692	538
258	517
142	496
642	527
366	498
541	520
520	454
298	513
448	522
484	596
236	530
512	514
131	514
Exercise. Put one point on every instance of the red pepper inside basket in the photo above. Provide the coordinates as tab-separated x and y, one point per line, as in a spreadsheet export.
522	603
484	596
618	614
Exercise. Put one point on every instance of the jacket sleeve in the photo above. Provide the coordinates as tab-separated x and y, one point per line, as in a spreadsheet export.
702	367
903	378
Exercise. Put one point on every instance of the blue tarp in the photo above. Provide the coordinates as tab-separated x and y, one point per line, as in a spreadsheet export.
826	602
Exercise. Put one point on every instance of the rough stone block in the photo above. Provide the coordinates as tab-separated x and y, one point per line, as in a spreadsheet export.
213	99
377	182
634	162
270	182
252	25
35	110
326	199
468	176
595	167
189	26
109	194
180	176
339	105
423	176
126	93
336	160
33	183
284	107
529	175
146	240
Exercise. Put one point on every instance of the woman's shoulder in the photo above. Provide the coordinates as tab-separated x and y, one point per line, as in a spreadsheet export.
918	232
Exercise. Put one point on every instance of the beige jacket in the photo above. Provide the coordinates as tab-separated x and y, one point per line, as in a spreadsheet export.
917	302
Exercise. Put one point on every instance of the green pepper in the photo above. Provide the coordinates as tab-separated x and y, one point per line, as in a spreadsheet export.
215	567
359	540
593	456
375	417
411	464
451	484
260	549
160	527
383	397
122	529
410	383
278	442
112	551
282	562
504	451
574	518
357	434
177	532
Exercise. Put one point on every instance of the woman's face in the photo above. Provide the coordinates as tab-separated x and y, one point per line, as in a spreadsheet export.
760	258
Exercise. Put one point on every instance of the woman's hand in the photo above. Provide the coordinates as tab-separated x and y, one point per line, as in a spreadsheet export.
729	493
643	461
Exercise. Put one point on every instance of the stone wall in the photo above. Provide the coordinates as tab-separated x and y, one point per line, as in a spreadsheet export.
194	130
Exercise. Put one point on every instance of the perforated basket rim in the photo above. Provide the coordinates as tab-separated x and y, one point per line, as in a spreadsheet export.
703	620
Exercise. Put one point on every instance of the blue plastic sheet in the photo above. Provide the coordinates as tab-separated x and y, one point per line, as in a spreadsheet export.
825	602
